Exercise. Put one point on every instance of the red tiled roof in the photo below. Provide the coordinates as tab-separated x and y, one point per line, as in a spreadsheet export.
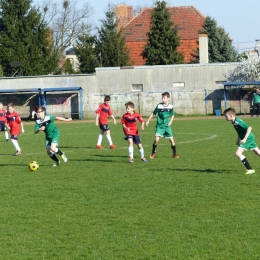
187	18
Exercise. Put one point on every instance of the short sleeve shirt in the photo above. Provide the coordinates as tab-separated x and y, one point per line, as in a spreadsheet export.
241	128
13	120
164	114
130	121
104	111
50	128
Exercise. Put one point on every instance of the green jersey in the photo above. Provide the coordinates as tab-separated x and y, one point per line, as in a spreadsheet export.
256	98
241	128
164	114
50	128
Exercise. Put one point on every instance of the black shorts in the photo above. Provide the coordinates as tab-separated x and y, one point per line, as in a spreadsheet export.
104	127
136	138
2	126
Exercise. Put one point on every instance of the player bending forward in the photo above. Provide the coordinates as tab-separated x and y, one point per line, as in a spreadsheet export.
52	134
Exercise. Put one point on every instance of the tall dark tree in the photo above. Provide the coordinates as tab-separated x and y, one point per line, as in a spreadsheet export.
86	53
163	39
220	46
25	39
111	43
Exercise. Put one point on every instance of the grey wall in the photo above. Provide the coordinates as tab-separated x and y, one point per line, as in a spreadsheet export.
195	89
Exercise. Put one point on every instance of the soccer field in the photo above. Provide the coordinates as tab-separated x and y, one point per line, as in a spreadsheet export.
99	206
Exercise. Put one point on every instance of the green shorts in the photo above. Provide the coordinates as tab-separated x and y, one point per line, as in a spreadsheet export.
248	145
165	132
54	139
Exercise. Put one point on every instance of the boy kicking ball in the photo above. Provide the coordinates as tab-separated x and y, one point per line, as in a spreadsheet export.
245	140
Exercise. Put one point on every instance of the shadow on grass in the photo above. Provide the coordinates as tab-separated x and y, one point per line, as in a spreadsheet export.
102	155
91	160
201	170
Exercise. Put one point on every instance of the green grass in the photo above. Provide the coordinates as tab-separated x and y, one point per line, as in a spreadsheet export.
99	206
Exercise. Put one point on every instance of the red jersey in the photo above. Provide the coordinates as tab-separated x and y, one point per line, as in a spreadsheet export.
104	111
13	120
130	121
2	115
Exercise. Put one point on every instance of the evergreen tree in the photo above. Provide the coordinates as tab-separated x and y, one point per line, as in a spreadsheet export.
111	43
163	40
24	38
86	53
220	47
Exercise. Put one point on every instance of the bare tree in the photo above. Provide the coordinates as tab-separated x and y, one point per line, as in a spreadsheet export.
66	21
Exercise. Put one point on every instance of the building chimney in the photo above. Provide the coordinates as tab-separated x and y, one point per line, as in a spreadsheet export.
203	48
124	14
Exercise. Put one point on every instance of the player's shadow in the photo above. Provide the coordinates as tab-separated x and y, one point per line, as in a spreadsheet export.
102	155
207	170
92	160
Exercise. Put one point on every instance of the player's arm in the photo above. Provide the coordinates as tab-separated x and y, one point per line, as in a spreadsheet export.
112	116
125	127
142	126
150	117
97	119
63	119
170	122
22	128
248	131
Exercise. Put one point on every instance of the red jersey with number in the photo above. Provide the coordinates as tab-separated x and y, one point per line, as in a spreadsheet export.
14	121
104	111
130	121
2	115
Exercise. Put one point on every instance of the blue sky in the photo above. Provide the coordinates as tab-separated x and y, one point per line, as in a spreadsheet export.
240	19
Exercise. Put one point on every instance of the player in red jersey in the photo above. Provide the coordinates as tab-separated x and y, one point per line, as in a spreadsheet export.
2	121
129	122
13	122
102	114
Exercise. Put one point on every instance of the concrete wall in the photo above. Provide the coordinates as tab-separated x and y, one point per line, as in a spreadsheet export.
195	89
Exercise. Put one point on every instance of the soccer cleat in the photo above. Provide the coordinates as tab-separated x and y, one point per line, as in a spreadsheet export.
18	153
143	159
64	157
250	171
131	160
99	147
56	164
176	156
152	156
112	146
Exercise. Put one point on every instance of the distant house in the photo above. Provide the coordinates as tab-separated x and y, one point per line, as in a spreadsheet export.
135	28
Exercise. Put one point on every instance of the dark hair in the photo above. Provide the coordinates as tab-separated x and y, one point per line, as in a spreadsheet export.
230	109
130	104
107	98
167	94
41	108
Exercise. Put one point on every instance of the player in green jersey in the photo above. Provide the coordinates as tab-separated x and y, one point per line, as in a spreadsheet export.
52	134
245	140
256	102
165	115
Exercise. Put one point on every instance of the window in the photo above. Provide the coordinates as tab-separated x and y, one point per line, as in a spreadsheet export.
178	85
137	87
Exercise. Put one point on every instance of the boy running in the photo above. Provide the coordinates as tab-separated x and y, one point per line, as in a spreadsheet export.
129	122
52	134
2	121
102	114
14	123
245	139
163	125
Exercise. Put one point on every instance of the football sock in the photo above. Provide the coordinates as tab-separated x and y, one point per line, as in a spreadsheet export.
141	151
100	137
154	148
174	149
109	139
6	135
245	162
53	157
131	151
59	152
16	145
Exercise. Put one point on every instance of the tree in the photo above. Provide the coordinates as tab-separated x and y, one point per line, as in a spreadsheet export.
111	43
86	53
66	22
163	39
24	39
220	46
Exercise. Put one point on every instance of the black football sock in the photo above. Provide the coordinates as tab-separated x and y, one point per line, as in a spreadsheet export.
59	152
246	163
154	148
174	149
54	158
